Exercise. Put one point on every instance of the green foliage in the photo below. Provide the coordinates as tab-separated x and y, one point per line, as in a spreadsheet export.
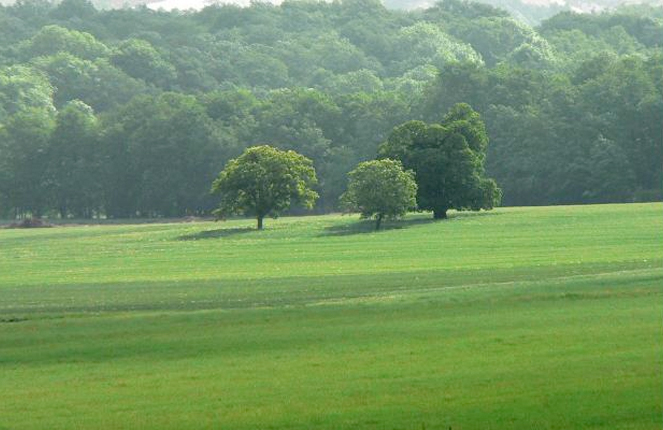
265	181
330	81
448	160
97	83
140	60
23	88
74	9
495	37
53	39
163	152
544	126
74	161
24	142
425	43
645	28
360	81
298	119
380	189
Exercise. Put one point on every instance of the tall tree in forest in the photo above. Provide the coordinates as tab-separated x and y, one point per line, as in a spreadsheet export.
24	142
74	161
162	151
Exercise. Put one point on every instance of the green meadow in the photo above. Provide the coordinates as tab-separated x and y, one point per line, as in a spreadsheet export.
517	318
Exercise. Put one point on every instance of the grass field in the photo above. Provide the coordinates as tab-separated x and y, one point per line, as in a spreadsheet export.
519	318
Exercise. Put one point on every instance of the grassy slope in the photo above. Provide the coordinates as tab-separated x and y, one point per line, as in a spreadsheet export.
518	318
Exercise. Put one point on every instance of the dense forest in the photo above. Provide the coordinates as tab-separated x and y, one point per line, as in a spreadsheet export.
133	112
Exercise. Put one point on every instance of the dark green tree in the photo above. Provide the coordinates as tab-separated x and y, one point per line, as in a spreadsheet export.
448	160
140	60
24	142
74	161
265	181
74	9
162	154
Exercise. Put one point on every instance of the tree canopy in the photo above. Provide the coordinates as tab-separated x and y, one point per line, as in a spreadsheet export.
448	160
264	181
571	106
380	189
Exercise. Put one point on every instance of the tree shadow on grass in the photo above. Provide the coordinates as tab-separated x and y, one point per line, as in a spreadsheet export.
216	234
368	226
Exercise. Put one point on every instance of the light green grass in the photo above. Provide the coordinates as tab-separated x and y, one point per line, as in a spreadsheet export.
519	318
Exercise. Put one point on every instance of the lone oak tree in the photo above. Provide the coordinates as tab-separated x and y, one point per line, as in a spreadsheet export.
448	161
265	181
380	189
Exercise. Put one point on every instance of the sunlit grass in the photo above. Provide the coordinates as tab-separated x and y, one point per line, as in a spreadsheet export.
516	318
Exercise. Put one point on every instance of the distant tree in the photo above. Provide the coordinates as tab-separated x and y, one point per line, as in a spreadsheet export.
354	82
448	160
32	12
96	83
24	140
74	162
297	119
140	60
495	37
74	9
23	88
380	189
52	39
162	153
425	43
265	181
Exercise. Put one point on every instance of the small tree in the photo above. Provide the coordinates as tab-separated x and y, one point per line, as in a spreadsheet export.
380	189
265	181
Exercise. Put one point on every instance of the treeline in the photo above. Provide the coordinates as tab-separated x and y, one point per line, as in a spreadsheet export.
133	112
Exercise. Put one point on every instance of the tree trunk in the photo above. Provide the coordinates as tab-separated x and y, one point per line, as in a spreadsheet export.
259	219
378	222
440	214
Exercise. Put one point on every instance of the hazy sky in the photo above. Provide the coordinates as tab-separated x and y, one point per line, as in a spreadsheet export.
198	4
194	4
